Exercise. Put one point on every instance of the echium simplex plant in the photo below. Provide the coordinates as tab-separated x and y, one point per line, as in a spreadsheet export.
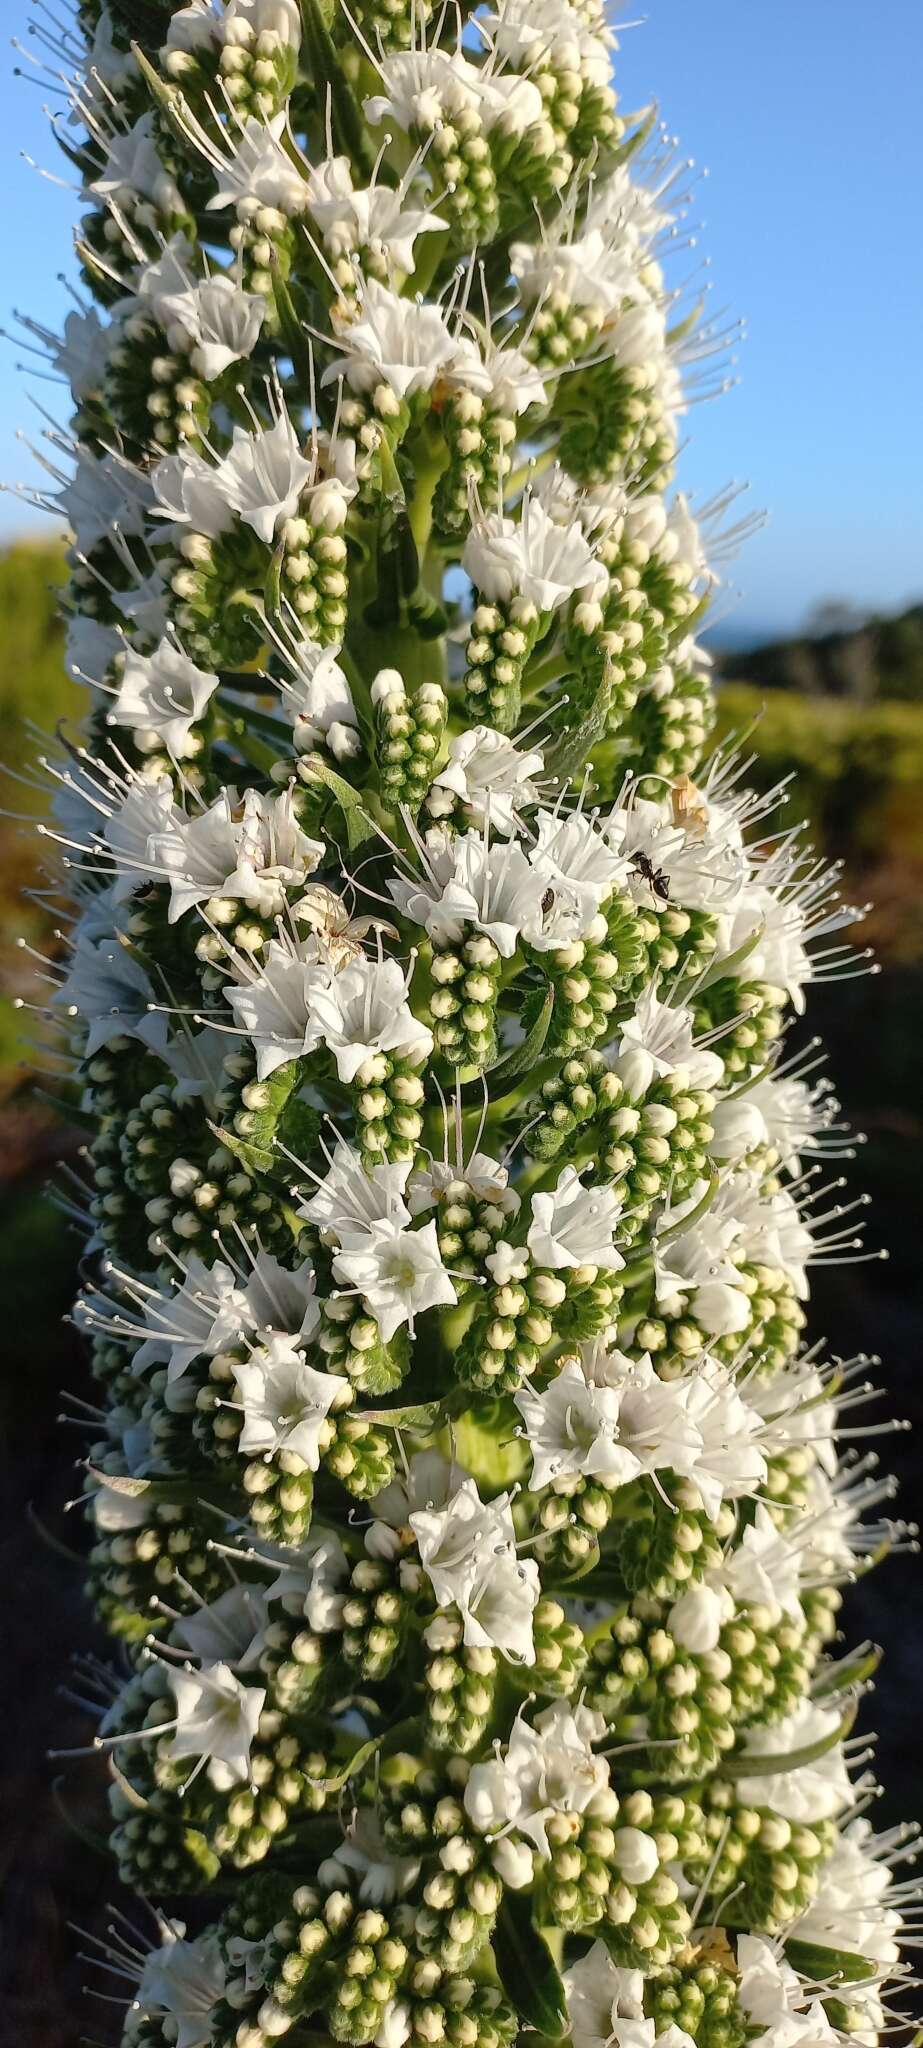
465	1506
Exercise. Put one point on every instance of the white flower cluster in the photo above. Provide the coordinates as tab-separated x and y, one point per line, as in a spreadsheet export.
467	1506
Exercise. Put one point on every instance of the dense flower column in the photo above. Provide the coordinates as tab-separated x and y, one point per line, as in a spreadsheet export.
465	1506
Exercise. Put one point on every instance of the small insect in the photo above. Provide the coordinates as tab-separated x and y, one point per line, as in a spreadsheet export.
547	901
658	882
337	933
690	810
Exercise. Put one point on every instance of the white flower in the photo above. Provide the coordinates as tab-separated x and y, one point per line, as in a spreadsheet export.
399	1274
490	776
167	276
256	170
852	1908
275	1007
220	321
182	1982
658	1040
654	1420
574	1430
193	28
352	1200
90	649
802	1793
504	374
593	269
364	1011
682	546
764	1570
547	1768
217	1717
738	1126
188	492
482	1175
101	494
207	1312
500	1605
507	1262
422	87
402	343
263	18
467	881
775	2000
142	813
780	956
686	837
319	701
599	1993
578	864
769	1990
376	219
133	170
231	1629
780	1111
255	850
108	989
284	1401
198	853
731	1463
263	475
797	1408
145	608
165	694
468	1551
772	1230
313	1582
79	354
365	1856
429	1481
575	1226
699	1264
532	558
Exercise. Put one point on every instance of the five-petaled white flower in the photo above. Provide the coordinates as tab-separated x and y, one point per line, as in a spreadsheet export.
217	1716
284	1401
181	1983
468	1551
547	1767
573	1430
362	1011
163	694
399	1273
575	1226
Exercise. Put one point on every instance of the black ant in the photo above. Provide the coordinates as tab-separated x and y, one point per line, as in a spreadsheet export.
659	882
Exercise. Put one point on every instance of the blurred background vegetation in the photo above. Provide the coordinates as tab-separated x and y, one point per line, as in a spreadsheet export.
840	711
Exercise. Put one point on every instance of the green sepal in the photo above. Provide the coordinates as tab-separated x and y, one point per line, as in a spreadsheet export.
688	1222
571	752
257	1153
724	970
777	1761
360	826
521	1058
168	98
821	1965
293	334
173	1489
851	1671
526	1969
419	1416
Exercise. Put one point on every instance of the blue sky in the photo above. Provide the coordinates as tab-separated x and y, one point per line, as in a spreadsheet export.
806	113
